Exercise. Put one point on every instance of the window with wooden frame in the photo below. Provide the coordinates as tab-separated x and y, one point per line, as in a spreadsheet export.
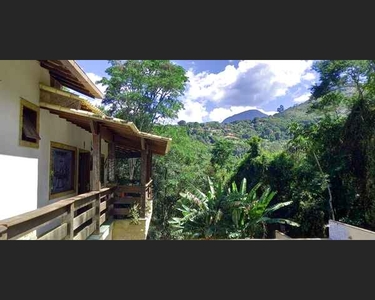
63	170
29	124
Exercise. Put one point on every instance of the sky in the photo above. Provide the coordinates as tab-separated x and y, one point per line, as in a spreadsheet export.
218	89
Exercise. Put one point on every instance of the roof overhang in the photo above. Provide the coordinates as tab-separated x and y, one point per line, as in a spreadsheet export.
69	74
124	134
65	99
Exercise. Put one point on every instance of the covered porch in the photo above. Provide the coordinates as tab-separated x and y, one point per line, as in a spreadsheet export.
104	211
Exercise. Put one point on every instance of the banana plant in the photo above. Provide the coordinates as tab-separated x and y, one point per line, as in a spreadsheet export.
201	213
231	213
251	212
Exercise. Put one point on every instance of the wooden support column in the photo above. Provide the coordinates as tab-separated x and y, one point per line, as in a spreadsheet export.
96	144
150	196
144	166
149	166
111	162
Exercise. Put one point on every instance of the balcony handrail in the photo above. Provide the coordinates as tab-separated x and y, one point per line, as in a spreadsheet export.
22	224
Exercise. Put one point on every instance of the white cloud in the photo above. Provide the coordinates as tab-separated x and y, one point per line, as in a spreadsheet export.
220	113
309	76
252	83
210	85
94	78
193	112
302	98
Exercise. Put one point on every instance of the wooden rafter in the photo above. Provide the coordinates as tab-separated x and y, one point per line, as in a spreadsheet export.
69	74
123	133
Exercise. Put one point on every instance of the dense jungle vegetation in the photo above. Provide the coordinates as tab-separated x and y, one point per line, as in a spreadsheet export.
292	171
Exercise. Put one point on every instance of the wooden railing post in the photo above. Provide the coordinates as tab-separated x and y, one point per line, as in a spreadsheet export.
143	202
3	233
111	201
70	222
97	214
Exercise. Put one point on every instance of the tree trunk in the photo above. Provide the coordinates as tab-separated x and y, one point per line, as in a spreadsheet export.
328	187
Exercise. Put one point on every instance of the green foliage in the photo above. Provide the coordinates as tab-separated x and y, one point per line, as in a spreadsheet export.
201	213
254	143
134	214
144	91
221	152
280	109
186	165
232	213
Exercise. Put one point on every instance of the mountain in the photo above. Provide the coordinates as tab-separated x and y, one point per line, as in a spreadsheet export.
245	115
272	128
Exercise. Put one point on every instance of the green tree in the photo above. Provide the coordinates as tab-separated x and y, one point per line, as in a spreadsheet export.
302	140
221	152
255	145
144	91
352	84
280	109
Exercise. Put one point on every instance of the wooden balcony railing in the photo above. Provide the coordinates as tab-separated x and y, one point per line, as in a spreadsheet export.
74	218
129	195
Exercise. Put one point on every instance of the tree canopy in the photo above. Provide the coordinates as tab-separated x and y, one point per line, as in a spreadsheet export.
144	91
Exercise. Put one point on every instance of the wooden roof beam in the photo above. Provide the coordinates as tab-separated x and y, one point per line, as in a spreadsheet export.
94	128
75	69
106	133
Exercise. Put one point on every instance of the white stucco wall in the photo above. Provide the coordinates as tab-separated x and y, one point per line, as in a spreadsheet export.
24	171
343	231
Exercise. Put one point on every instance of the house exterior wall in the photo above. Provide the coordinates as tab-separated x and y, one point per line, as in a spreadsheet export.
24	171
342	231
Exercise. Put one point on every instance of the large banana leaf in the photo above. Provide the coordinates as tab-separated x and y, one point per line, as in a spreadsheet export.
278	220
243	186
278	206
212	187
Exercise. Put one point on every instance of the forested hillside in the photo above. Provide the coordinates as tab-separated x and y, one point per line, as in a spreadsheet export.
272	129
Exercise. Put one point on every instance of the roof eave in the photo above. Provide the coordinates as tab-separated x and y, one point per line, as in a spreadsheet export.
73	67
